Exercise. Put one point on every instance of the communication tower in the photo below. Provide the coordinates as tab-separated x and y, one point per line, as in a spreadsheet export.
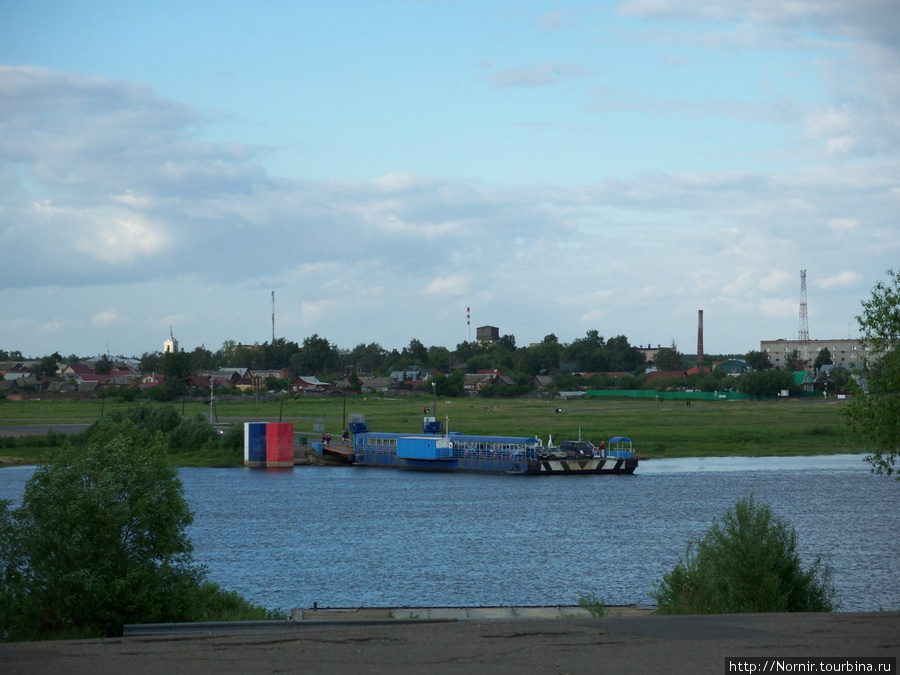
803	336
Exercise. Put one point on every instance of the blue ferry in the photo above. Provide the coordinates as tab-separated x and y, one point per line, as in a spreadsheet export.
454	452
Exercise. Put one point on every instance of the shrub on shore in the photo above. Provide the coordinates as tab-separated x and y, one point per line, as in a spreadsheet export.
747	563
100	541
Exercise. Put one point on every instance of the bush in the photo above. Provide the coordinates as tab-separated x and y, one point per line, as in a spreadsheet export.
746	563
593	605
100	541
192	434
210	602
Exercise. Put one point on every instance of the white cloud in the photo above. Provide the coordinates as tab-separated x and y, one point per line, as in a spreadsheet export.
57	326
107	317
842	224
453	285
775	280
123	238
780	307
859	62
842	279
538	75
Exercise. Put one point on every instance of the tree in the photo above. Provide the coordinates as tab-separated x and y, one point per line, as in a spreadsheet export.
367	358
415	352
103	365
836	378
547	355
758	360
150	362
767	383
621	356
279	353
176	367
507	342
47	366
438	357
586	354
823	358
792	361
315	357
747	563
203	359
873	413
98	541
669	358
449	385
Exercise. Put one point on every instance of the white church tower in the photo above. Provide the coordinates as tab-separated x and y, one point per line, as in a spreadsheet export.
170	345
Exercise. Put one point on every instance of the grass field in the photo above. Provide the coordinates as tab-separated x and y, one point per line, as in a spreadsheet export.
665	429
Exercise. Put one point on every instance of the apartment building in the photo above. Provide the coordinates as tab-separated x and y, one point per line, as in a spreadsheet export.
843	352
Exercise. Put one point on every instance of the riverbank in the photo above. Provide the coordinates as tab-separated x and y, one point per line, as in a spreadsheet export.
670	644
664	429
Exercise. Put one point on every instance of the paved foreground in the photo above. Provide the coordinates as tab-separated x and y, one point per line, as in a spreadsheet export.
624	644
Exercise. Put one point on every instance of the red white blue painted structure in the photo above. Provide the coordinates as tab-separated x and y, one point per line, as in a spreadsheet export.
267	444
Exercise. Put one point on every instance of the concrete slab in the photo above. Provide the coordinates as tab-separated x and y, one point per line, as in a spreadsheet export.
459	613
654	644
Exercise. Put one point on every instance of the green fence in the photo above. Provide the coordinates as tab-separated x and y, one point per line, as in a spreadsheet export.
669	395
690	395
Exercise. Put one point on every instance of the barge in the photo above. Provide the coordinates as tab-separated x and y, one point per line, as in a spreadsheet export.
456	452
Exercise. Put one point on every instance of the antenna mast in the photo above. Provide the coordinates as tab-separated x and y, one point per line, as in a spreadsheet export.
273	317
468	325
803	337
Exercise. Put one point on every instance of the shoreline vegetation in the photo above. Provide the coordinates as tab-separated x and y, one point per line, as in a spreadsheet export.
659	429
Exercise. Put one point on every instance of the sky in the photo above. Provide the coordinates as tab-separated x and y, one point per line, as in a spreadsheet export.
554	167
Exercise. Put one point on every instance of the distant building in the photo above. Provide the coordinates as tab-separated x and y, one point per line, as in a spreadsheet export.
733	367
843	352
487	334
170	345
649	352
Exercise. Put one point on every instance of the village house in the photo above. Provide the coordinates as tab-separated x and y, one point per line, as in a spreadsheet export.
475	382
308	384
372	385
733	367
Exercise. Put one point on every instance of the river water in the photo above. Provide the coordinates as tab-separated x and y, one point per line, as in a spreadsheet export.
348	537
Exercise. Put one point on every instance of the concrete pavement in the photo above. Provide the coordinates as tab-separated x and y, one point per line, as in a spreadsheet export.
617	644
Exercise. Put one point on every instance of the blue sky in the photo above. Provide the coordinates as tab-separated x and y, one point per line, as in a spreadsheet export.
557	167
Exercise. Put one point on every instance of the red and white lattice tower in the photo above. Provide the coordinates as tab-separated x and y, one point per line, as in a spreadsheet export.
803	337
468	326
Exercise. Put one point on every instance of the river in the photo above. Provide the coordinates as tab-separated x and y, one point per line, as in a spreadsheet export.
348	537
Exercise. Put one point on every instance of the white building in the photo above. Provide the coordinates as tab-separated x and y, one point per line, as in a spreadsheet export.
170	345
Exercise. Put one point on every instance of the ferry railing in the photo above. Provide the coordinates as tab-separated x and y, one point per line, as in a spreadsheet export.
497	451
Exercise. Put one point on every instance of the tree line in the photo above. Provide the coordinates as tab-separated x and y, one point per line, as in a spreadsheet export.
591	362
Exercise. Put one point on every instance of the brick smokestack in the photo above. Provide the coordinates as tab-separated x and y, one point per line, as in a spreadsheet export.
699	339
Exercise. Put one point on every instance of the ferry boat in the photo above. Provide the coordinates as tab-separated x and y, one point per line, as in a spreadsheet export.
455	452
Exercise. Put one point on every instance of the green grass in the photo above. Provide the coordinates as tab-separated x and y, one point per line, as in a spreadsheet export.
593	605
658	430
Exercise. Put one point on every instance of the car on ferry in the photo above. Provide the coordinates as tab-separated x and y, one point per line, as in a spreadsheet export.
577	449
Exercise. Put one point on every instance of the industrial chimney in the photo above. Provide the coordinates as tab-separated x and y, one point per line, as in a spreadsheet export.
699	340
